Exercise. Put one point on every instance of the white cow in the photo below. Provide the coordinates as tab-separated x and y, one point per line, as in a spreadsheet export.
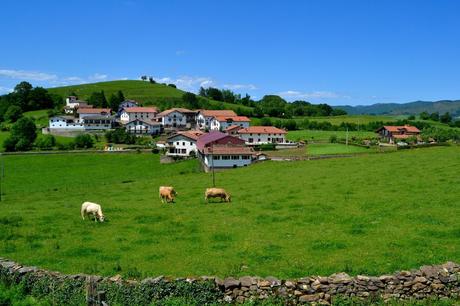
88	208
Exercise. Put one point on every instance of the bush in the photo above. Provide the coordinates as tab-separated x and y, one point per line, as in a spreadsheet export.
333	139
119	136
267	147
23	134
45	142
13	113
265	122
83	141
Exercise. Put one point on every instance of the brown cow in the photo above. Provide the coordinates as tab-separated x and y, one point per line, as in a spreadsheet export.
217	193
167	193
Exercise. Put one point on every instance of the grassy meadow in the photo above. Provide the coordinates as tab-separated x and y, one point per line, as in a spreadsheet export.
318	135
141	91
336	148
370	214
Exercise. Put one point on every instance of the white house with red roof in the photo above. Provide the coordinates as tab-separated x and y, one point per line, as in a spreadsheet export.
393	132
257	135
204	117
177	118
219	150
90	112
143	127
220	123
183	143
137	112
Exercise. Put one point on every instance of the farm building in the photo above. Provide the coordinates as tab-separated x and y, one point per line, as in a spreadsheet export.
219	150
256	135
233	130
72	103
129	114
143	127
220	123
183	143
65	123
392	133
89	112
204	117
90	122
126	104
177	118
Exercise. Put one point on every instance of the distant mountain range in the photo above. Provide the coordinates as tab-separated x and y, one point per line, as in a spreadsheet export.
411	108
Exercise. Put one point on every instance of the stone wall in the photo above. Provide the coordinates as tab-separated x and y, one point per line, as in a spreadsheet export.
438	281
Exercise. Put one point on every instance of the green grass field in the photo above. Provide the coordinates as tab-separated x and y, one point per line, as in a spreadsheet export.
144	92
40	117
371	214
335	148
318	135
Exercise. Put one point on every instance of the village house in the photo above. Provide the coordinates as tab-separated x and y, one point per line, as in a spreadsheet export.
177	118
129	114
204	117
88	112
65	123
143	127
219	150
257	135
126	104
233	130
220	123
72	104
183	143
392	133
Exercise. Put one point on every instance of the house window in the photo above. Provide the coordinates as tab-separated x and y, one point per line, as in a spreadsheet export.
258	139
268	138
184	151
177	143
225	157
244	157
183	143
250	140
235	157
216	157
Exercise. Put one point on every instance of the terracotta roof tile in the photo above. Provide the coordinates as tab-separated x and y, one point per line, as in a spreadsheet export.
262	130
141	109
233	118
213	113
93	110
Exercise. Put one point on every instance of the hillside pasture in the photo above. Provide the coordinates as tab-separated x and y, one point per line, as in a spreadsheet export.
371	214
318	135
336	148
141	91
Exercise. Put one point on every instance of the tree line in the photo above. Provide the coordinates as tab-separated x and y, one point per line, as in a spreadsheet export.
271	105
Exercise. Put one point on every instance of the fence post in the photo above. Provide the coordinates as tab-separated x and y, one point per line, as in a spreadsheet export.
90	291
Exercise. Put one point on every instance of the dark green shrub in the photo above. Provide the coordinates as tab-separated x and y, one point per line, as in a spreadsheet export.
83	141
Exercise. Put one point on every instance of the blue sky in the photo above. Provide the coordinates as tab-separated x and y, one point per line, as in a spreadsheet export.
336	52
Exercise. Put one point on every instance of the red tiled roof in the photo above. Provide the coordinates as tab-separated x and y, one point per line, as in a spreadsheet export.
93	110
213	113
232	118
397	128
189	134
209	137
233	127
229	150
141	109
150	122
262	130
177	109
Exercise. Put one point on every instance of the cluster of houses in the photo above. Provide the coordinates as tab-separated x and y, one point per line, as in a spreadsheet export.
218	138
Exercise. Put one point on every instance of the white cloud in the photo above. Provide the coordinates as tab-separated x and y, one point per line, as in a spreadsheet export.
51	79
28	75
180	52
293	94
5	90
187	82
240	86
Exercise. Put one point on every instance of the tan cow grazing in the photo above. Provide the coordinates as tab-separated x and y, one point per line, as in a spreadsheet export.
167	193
88	208
217	193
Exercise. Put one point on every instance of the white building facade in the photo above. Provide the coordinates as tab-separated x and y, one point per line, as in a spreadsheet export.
204	117
142	127
183	144
220	123
257	135
129	114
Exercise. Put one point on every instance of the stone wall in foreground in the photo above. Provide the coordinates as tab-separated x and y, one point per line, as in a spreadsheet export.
438	281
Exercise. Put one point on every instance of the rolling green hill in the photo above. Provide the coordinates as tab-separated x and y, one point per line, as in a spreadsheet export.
411	108
160	95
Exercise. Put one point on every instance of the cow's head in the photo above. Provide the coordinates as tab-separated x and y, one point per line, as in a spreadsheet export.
101	218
